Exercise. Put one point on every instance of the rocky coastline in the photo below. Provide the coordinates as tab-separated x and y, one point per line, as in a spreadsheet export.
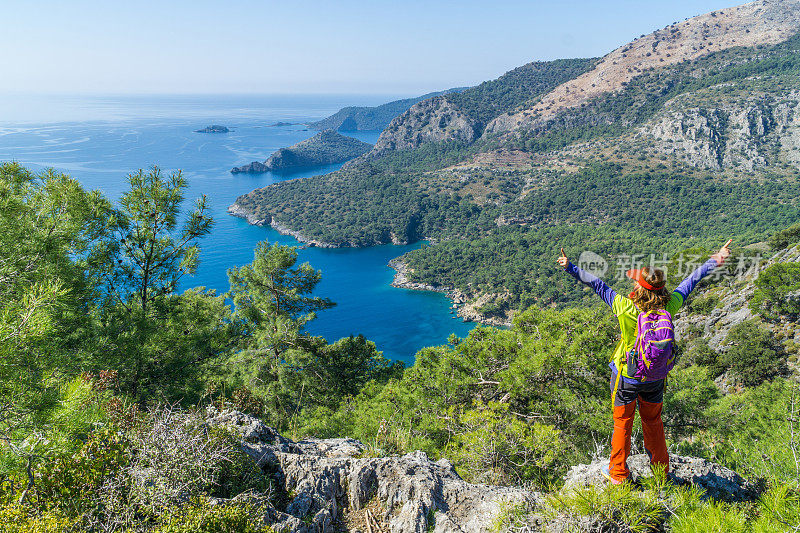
325	148
240	212
465	306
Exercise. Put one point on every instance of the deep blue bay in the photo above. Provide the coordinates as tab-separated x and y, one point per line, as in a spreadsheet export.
100	140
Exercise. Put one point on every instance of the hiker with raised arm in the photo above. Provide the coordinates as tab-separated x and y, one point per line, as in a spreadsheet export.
644	355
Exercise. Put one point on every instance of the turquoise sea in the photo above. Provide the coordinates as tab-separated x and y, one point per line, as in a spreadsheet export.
99	140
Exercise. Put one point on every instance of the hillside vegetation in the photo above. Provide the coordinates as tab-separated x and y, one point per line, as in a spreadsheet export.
704	147
117	392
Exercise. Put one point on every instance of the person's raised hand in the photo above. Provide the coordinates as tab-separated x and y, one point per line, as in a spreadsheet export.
723	253
562	260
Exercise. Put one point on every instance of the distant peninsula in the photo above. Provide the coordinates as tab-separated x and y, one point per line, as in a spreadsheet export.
372	118
214	128
325	148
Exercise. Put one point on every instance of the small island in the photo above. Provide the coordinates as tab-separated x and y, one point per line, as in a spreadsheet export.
214	128
280	124
325	148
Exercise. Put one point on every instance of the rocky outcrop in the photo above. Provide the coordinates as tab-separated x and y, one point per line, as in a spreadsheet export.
327	485
744	135
328	481
760	22
214	128
716	481
325	148
433	120
242	212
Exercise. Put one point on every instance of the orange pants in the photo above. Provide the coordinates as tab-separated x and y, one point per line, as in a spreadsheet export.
650	397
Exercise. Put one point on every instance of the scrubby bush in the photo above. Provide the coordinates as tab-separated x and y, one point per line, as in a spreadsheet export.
199	516
755	432
753	354
700	353
492	445
613	507
689	393
661	506
134	479
704	304
177	456
77	483
777	292
17	518
785	238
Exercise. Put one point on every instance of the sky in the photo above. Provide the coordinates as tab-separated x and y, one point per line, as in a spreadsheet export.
399	47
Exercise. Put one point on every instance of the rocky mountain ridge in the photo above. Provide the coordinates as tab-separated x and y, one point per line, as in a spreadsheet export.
744	134
764	22
732	297
430	121
756	23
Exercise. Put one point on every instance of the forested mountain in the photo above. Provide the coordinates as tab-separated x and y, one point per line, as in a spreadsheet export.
694	127
360	118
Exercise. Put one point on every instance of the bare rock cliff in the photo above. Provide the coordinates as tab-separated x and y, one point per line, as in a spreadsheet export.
761	22
736	135
433	120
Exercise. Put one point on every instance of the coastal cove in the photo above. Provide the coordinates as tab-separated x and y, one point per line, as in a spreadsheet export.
120	135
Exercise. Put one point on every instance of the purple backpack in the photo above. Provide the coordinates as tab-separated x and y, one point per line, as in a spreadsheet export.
652	356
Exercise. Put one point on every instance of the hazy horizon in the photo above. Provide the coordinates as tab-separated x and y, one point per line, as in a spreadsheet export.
306	47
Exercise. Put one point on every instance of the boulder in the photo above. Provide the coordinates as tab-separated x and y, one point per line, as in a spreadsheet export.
717	481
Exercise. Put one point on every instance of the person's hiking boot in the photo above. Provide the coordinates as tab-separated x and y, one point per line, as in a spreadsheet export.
607	475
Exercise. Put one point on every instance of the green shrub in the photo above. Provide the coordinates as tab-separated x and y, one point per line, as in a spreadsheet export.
704	304
662	506
776	294
785	238
75	483
199	516
711	517
701	354
492	445
751	432
753	354
688	394
606	508
15	518
239	473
